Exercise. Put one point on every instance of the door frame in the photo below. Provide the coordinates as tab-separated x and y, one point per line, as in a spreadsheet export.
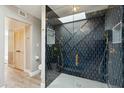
30	27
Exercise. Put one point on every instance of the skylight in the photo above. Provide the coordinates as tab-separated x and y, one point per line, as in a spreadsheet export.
72	18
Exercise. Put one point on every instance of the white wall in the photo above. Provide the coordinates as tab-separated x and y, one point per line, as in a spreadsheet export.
1	49
6	46
12	12
36	45
28	47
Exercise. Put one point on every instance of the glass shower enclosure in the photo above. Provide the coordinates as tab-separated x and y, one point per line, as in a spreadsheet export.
85	44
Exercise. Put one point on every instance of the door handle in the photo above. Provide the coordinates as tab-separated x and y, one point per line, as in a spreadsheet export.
18	51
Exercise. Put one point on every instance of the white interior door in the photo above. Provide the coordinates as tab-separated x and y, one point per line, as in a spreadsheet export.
19	49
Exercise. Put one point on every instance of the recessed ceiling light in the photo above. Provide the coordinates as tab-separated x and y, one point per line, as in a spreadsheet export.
76	8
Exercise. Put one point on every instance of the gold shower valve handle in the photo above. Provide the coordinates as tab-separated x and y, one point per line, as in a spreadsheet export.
77	59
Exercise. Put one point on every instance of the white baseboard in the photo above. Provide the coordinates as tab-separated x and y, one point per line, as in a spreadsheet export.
42	85
34	73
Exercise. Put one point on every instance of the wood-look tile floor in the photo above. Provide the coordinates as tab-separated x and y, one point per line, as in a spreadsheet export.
15	78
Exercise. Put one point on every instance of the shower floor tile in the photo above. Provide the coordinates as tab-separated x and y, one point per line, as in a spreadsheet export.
69	81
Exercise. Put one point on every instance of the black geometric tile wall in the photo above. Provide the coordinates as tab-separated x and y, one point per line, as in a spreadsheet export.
115	66
115	63
85	38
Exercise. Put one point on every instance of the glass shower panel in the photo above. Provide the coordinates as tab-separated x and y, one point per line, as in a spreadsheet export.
84	44
58	34
89	46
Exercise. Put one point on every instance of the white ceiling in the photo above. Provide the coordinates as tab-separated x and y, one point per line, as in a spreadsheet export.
64	10
60	10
